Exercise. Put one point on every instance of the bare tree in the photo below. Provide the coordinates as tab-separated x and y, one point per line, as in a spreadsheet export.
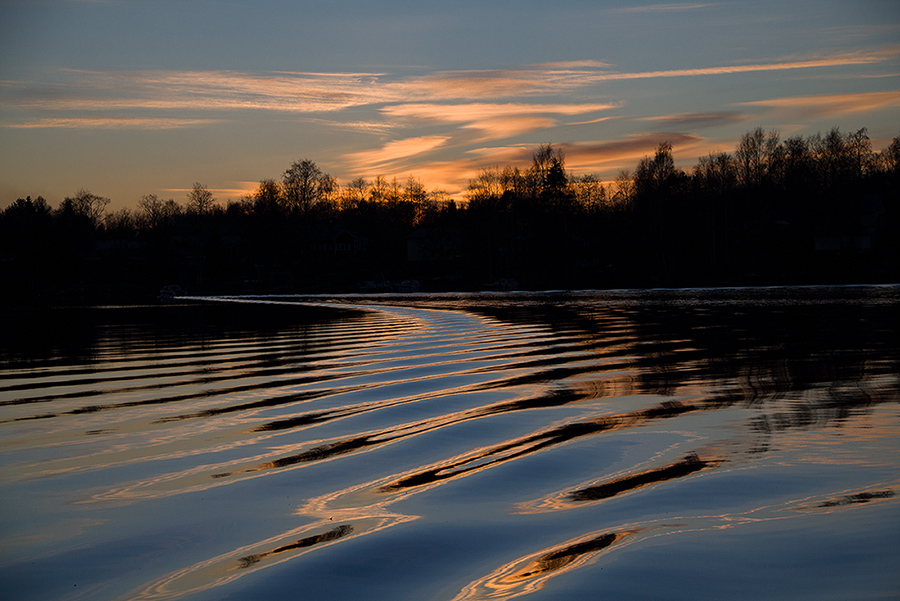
487	184
378	191
548	169
716	173
200	200
590	193
512	180
652	174
153	212
329	189
416	195
833	155
394	193
268	196
150	210
755	154
88	204
305	184
355	193
890	156
797	155
861	149
624	187
122	221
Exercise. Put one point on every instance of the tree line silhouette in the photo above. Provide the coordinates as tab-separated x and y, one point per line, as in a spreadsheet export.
801	210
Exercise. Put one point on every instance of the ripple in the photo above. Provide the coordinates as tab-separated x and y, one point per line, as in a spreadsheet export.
590	422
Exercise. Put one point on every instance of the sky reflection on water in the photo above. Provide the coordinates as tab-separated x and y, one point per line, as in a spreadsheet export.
456	447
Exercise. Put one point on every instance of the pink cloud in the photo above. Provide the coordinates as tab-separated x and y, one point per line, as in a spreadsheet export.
591	155
601	158
831	105
493	120
386	157
297	92
831	61
474	112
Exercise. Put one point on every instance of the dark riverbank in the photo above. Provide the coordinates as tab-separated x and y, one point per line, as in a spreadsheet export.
818	210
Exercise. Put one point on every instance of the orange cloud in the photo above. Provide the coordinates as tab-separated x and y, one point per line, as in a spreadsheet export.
244	188
493	120
832	104
490	121
499	128
451	85
475	112
373	126
205	90
831	61
274	91
297	92
450	176
590	156
601	158
388	155
552	78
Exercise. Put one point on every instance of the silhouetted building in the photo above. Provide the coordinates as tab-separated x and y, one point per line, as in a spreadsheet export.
429	244
335	241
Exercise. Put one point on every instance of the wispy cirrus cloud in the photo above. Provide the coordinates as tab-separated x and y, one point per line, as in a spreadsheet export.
492	84
372	126
698	120
489	121
476	112
846	59
654	8
591	155
594	64
831	105
581	157
198	90
417	117
113	123
390	154
493	120
283	92
239	189
549	78
305	93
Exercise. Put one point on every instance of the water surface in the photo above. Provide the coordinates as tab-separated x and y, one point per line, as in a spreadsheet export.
686	444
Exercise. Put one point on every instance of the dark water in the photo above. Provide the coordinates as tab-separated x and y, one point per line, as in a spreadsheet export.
738	444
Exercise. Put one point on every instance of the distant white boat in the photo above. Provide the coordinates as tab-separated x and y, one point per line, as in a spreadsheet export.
168	293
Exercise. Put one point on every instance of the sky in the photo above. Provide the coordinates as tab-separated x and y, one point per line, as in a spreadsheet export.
132	97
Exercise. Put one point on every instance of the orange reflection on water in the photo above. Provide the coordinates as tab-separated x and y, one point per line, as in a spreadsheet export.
532	572
599	491
363	509
228	567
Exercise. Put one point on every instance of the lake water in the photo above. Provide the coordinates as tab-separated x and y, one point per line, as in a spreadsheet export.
687	444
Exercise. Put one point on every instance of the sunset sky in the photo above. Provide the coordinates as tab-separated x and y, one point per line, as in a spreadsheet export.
131	97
